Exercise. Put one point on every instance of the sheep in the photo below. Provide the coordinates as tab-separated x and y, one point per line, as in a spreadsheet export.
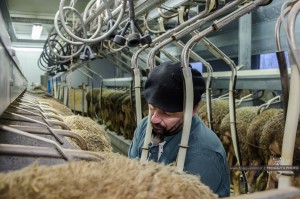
57	105
129	122
220	108
104	179
108	102
39	91
91	103
271	142
244	116
114	103
95	136
255	153
117	110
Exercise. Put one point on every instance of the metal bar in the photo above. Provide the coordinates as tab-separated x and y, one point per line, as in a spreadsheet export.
84	73
43	131
32	151
208	81
178	35
216	26
167	54
97	12
58	148
38	122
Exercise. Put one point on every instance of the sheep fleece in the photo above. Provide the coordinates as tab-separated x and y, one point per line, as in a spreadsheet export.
115	177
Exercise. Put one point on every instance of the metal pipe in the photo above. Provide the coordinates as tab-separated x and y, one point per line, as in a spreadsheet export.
187	28
284	79
17	109
49	115
7	116
99	10
188	114
196	57
58	123
90	40
292	118
186	23
16	131
281	56
147	140
284	11
38	122
167	54
137	84
216	26
43	131
33	151
111	58
187	72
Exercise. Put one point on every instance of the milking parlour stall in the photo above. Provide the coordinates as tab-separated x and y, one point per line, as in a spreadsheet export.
73	98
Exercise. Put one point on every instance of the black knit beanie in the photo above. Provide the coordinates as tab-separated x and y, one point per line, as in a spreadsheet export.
164	87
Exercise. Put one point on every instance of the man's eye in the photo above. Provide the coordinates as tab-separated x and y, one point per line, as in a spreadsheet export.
168	114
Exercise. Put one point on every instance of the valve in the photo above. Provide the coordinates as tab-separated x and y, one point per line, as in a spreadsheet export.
87	54
110	24
134	39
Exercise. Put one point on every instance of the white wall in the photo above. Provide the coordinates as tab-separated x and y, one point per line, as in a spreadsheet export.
28	58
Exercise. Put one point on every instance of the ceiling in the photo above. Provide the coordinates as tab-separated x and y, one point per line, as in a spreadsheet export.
21	15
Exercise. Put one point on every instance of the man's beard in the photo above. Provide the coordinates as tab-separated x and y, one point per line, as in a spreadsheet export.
162	131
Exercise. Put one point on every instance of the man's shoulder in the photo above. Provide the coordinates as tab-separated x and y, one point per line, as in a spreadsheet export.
142	126
203	138
199	129
143	122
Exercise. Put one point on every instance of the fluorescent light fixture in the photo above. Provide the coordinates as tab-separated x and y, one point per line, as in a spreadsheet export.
36	31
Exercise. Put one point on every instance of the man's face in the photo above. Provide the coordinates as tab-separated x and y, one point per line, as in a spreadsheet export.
165	122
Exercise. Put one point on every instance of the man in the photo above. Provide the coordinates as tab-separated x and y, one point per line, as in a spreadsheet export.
205	155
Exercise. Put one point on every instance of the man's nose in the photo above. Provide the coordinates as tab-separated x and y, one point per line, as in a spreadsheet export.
156	117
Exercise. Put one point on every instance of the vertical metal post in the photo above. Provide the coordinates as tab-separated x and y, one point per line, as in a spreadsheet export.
245	37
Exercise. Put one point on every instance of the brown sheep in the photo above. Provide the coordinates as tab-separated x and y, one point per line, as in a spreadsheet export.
255	153
220	108
129	122
57	105
114	103
244	116
108	104
105	179
271	141
91	103
94	135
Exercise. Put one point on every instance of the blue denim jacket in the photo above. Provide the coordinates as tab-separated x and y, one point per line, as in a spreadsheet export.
205	155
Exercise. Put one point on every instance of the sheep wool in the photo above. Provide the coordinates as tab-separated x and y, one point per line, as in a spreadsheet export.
273	131
244	116
95	136
105	179
220	108
59	107
255	130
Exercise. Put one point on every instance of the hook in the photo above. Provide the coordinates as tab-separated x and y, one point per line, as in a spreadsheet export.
268	103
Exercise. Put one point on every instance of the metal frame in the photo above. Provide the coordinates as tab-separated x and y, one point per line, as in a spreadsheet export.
12	81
